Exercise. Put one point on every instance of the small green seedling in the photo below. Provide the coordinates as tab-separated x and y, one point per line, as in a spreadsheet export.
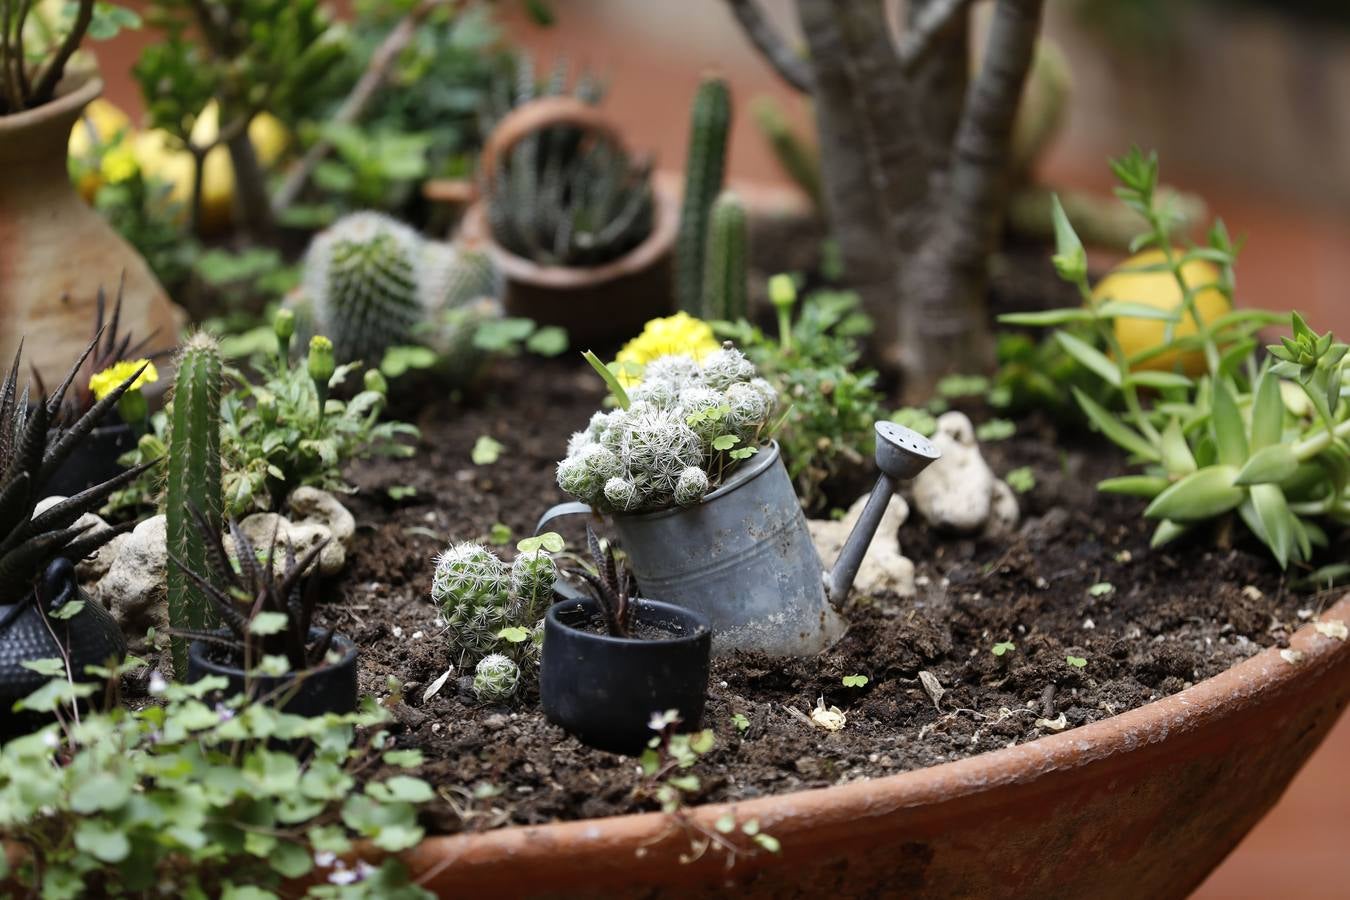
1101	589
486	451
737	719
995	430
549	541
401	492
499	534
1021	479
1078	662
1002	647
855	681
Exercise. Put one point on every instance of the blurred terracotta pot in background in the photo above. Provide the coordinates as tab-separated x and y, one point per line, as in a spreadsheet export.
55	251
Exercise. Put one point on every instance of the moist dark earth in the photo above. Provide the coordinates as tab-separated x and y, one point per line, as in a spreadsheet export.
1172	617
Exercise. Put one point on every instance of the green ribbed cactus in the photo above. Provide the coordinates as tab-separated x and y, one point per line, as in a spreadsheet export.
193	482
479	595
726	276
795	155
370	279
710	123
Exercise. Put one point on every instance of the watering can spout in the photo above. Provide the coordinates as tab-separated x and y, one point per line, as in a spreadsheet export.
902	453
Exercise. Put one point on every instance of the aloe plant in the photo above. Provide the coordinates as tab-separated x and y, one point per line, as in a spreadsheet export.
1265	438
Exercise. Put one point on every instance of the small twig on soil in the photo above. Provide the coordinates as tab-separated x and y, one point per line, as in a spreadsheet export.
1048	701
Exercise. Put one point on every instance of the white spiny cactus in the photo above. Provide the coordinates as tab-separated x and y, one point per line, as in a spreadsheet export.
654	453
496	678
725	367
533	576
691	486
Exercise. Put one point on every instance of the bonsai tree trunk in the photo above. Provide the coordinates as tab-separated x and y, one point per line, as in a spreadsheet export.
916	161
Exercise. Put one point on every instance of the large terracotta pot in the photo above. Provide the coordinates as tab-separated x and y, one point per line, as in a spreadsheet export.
55	251
1143	804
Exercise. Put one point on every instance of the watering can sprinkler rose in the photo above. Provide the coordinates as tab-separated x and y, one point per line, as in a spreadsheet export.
703	505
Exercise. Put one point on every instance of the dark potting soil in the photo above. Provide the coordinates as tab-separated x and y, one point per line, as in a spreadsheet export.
1169	618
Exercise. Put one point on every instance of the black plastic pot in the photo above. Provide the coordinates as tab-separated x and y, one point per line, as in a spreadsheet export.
314	692
92	638
94	461
604	689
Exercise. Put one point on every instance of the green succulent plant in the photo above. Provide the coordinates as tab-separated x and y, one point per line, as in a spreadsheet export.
1265	438
31	451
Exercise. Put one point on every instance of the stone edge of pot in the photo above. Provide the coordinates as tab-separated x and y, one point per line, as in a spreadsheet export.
530	846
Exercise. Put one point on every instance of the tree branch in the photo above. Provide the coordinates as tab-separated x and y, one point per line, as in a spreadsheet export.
935	18
983	147
45	86
788	64
355	103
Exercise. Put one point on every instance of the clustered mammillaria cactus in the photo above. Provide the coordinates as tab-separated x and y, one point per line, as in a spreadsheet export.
667	447
480	596
495	678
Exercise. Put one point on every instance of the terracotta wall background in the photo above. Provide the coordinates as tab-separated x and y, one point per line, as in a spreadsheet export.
1249	111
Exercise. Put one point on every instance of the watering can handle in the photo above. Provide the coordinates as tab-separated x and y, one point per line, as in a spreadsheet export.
572	508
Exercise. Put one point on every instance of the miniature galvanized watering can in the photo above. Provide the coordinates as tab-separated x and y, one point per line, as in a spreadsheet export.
744	558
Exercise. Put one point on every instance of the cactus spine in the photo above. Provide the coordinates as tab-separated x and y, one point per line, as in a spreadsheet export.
369	279
726	279
710	123
193	480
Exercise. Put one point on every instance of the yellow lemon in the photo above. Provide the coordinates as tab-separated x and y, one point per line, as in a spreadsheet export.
100	123
1161	291
160	157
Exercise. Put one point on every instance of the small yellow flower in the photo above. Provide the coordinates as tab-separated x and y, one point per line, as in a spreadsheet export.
680	333
106	381
119	164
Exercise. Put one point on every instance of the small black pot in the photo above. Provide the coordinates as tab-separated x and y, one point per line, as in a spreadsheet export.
92	638
94	461
326	689
604	689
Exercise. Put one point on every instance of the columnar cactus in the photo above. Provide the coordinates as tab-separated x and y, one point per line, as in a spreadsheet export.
370	280
662	449
710	123
193	482
479	596
496	678
726	276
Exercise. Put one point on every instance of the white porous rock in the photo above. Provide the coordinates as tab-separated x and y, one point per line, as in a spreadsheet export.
133	588
302	536
883	568
959	492
94	567
309	504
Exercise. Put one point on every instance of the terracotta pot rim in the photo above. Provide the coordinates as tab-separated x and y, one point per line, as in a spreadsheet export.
83	90
665	224
1153	723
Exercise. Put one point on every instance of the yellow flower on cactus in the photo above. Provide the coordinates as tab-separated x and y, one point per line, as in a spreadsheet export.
119	164
680	333
106	382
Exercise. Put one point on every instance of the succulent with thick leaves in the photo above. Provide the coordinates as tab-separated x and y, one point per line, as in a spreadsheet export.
30	452
256	589
611	585
495	678
194	482
710	124
370	280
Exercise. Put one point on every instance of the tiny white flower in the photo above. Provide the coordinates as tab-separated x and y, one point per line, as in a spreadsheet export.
50	740
342	877
324	858
158	684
